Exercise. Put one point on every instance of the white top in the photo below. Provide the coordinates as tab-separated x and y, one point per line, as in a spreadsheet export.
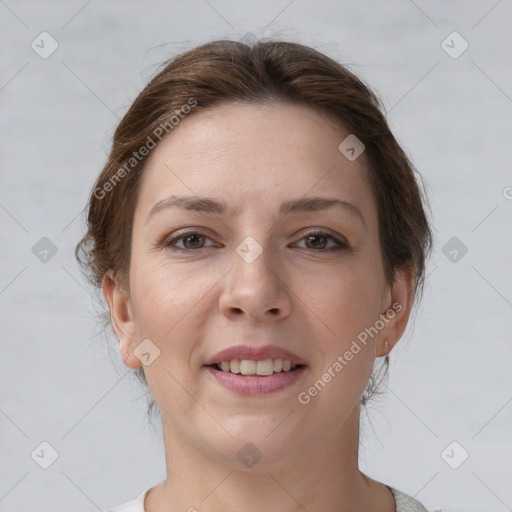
404	503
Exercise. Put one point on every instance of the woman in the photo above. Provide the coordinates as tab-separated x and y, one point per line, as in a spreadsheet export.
260	238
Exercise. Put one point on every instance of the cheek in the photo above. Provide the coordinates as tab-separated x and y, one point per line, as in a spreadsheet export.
347	298
169	310
163	297
347	305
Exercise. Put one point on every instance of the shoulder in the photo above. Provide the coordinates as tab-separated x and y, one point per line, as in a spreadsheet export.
405	503
136	505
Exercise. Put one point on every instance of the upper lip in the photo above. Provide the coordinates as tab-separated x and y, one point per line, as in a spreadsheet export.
254	353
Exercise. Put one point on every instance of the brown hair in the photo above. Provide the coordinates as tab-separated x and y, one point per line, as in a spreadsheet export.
226	71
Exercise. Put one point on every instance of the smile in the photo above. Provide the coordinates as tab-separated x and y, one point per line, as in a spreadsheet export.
251	367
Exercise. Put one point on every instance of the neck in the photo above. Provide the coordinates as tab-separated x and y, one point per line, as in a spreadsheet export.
324	476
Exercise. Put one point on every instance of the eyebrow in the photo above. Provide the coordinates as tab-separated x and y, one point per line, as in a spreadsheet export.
213	206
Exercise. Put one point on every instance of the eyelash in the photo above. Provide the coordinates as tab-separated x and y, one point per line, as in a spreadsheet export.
170	243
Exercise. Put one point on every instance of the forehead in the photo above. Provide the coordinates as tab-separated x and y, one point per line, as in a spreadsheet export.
247	153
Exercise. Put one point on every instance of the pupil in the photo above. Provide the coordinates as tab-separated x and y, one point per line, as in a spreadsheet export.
315	237
193	237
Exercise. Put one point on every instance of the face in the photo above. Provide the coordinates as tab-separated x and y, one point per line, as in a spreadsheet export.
260	272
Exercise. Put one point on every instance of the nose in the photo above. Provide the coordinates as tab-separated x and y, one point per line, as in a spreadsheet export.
256	290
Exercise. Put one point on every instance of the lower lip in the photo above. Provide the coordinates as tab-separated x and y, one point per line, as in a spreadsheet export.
248	385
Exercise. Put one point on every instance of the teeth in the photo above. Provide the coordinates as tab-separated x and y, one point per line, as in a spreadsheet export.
249	367
234	366
265	367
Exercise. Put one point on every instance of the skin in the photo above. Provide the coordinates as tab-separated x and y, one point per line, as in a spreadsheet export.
195	302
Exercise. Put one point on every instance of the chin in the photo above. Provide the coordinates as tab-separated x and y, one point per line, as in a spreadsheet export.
255	444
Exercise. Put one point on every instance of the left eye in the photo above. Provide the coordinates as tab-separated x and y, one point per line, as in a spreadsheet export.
319	241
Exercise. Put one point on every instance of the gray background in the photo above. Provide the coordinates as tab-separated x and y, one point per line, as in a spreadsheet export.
450	375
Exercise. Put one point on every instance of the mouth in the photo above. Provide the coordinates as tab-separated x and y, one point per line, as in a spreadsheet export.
256	377
254	370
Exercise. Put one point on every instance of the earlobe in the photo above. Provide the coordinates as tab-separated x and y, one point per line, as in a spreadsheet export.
398	308
121	316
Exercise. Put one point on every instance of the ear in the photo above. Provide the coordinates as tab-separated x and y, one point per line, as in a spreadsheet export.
396	311
121	315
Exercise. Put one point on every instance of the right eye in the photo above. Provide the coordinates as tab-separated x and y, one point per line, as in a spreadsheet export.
191	240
